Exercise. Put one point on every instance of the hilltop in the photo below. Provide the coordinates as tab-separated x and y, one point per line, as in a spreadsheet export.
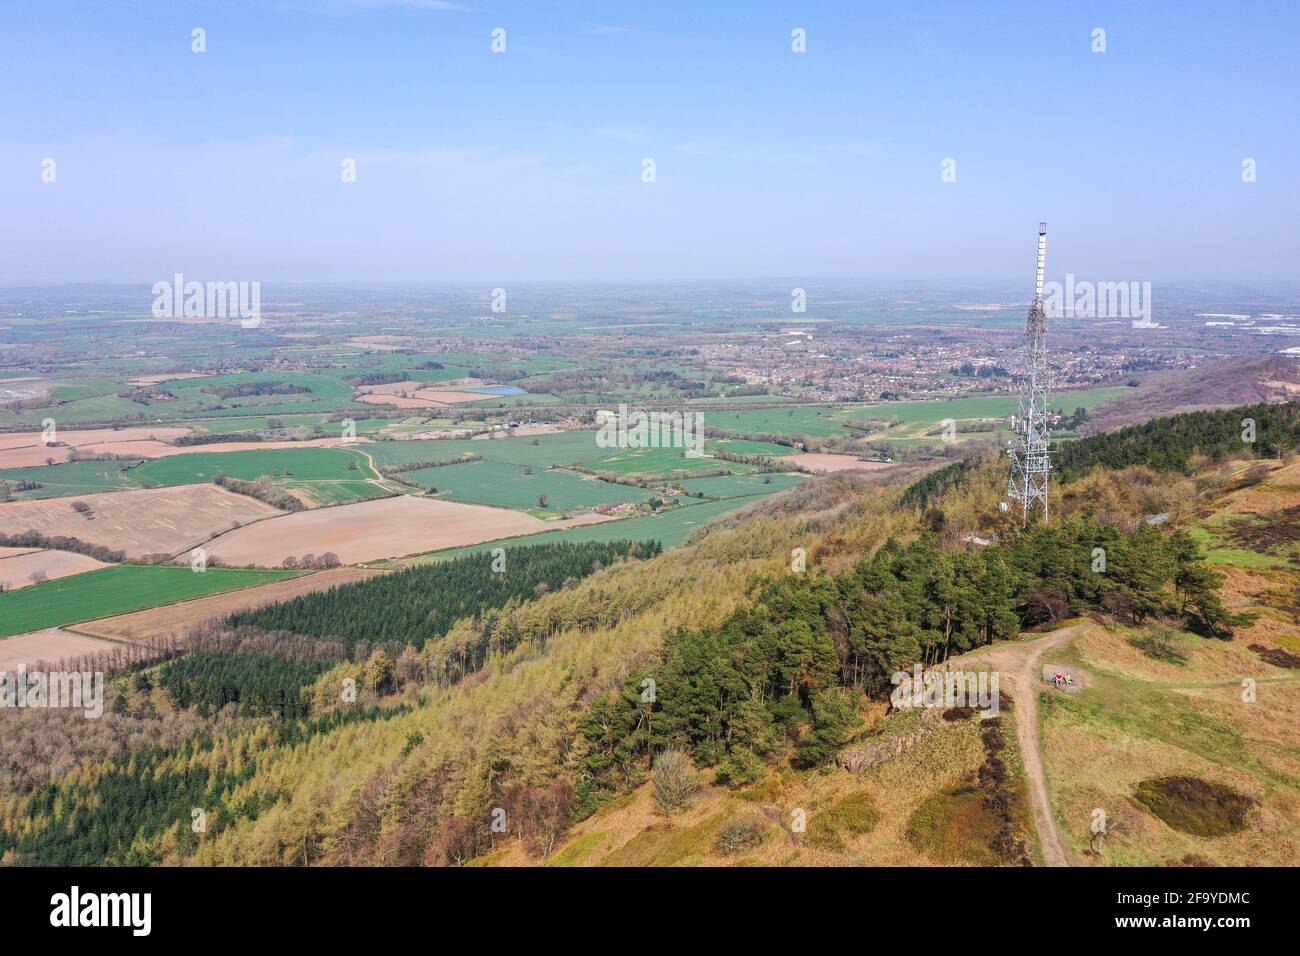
1241	380
1182	747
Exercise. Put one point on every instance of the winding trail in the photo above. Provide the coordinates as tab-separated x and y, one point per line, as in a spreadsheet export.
1019	662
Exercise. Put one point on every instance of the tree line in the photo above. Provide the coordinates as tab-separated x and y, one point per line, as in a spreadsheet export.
1173	444
422	602
785	675
263	491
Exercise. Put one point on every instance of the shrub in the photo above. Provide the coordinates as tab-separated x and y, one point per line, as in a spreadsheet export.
1158	644
738	835
854	815
672	781
1196	806
1276	656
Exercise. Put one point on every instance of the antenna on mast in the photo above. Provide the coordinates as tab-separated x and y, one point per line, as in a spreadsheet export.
1031	463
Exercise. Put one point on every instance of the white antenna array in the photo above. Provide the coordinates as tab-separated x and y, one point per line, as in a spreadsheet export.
1031	462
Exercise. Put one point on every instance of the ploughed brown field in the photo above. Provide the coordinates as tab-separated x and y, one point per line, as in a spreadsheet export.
50	645
420	394
26	449
393	388
826	463
91	436
424	398
176	619
16	572
370	531
149	521
157	449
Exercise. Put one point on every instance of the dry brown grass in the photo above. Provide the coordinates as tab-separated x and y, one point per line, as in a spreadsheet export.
1143	725
92	436
631	832
1109	650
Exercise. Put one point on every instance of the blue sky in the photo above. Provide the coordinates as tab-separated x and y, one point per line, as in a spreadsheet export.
527	165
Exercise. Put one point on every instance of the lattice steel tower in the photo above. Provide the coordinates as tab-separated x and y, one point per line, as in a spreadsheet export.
1031	462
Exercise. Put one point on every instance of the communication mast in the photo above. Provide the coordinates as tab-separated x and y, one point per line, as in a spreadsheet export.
1031	462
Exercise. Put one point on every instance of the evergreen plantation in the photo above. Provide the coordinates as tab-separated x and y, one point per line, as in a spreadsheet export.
782	678
263	685
1179	442
422	602
112	816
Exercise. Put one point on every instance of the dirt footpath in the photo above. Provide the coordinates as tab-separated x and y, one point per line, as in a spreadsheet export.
1019	663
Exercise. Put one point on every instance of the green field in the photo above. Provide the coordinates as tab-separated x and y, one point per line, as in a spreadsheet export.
99	409
70	478
828	422
298	464
116	590
986	406
389	454
431	375
737	486
561	448
88	388
320	387
743	446
567	448
336	492
95	400
508	486
814	422
660	461
669	528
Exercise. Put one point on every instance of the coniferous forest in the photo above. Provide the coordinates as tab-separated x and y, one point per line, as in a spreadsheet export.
261	684
1174	443
109	818
421	603
739	694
